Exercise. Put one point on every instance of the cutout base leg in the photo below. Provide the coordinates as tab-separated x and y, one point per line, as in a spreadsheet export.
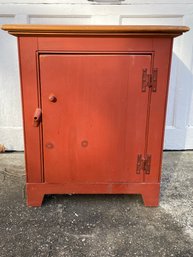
34	197
151	199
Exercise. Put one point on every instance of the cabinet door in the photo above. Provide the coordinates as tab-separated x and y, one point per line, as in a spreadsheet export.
94	116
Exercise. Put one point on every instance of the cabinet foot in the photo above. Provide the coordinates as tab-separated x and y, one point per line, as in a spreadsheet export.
34	197
150	199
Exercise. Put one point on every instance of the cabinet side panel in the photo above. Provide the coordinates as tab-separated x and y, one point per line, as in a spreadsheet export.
29	88
162	61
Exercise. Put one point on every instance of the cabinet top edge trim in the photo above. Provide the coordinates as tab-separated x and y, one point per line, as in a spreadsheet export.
47	30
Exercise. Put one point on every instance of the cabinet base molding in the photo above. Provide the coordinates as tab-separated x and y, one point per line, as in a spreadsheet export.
149	191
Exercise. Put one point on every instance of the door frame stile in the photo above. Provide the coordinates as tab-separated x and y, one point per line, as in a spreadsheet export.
41	124
149	92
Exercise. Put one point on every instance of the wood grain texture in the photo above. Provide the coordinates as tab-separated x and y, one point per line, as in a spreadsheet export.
20	29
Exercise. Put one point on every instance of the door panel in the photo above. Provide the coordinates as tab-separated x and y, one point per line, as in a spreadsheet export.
95	129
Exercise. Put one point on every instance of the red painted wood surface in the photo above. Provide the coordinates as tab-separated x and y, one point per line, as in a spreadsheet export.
91	134
30	101
162	60
97	126
149	191
90	44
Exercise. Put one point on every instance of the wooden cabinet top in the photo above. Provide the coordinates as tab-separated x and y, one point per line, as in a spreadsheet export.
62	30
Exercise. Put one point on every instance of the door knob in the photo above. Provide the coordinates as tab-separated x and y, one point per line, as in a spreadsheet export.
52	98
37	117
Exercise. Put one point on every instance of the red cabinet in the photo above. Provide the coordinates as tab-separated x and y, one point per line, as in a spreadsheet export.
94	101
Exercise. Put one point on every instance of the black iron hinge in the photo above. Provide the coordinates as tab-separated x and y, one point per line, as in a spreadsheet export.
143	163
149	80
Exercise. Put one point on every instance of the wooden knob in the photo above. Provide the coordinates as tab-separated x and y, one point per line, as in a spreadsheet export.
52	98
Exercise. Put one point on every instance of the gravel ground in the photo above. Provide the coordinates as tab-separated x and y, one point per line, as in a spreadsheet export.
98	225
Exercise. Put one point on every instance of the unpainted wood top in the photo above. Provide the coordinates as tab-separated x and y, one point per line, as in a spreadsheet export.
48	30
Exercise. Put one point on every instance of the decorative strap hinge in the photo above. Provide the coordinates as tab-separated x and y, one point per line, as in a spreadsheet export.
143	163
149	80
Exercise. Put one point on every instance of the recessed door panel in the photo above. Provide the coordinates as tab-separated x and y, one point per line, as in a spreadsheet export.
94	116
